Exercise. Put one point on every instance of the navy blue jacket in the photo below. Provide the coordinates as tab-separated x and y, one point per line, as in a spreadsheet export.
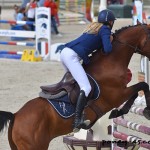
87	43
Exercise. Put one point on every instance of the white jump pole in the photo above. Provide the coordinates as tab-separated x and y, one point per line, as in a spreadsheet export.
103	5
145	68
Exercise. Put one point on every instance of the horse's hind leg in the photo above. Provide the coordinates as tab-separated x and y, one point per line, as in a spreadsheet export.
27	136
24	143
32	147
30	143
11	142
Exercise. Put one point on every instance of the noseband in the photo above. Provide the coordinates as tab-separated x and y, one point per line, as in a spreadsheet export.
136	49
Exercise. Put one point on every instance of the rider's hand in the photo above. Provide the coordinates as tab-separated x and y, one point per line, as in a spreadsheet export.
59	48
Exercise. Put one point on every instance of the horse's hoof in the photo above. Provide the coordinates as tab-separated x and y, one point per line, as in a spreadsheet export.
146	113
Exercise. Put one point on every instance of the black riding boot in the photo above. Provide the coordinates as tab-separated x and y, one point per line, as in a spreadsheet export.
79	122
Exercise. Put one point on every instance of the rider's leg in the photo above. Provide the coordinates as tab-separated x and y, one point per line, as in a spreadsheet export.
79	121
71	61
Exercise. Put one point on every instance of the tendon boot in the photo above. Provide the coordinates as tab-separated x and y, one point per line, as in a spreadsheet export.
79	120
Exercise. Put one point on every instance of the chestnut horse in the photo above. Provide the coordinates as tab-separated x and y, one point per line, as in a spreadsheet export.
37	122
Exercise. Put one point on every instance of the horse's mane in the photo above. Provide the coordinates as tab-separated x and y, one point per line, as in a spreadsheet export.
122	29
126	27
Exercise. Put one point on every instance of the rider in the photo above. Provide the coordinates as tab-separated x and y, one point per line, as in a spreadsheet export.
96	36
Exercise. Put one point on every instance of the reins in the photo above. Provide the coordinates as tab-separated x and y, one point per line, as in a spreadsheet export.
136	49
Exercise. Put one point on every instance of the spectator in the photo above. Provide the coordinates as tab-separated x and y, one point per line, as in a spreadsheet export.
52	5
30	11
16	8
21	17
56	15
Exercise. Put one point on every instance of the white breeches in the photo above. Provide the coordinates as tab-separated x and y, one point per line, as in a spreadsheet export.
71	62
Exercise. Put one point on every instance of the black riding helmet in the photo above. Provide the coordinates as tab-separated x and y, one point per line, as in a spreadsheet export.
105	16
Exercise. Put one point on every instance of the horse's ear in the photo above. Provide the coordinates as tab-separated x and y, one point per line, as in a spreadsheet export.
138	22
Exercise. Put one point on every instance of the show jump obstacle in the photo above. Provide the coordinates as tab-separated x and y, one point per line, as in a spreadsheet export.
114	134
42	36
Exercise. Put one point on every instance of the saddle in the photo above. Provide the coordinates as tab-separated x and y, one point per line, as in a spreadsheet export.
69	86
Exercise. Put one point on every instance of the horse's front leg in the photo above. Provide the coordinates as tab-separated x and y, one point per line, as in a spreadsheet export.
132	93
125	109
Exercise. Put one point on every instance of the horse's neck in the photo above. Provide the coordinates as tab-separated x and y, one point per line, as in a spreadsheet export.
121	53
125	44
120	56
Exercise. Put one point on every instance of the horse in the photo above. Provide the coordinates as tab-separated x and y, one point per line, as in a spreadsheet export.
37	122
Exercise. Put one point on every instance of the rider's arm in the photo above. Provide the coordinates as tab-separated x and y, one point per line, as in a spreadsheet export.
106	39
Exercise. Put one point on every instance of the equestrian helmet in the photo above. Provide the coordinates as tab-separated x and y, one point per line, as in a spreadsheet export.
106	16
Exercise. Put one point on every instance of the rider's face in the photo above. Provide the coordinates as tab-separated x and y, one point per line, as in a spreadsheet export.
112	23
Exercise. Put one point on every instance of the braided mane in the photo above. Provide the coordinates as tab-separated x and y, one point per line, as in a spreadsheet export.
122	29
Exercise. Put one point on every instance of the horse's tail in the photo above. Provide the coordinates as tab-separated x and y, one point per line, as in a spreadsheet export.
5	117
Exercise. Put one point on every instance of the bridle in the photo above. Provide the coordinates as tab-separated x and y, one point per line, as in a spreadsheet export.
136	49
